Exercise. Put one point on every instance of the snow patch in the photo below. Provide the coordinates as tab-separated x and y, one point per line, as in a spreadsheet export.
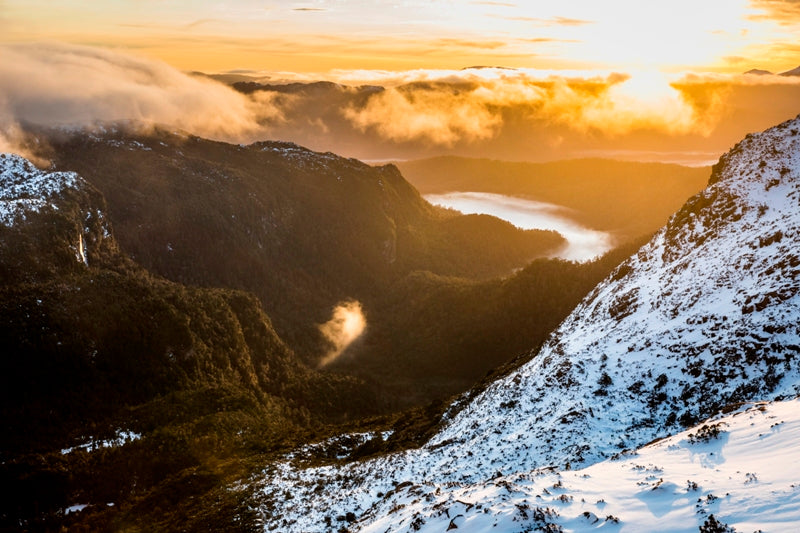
120	438
24	188
75	508
745	476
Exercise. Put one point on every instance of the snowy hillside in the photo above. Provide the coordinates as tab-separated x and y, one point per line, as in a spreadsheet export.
703	316
24	188
69	212
740	470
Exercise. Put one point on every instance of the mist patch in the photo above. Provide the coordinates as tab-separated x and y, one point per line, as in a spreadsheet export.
345	326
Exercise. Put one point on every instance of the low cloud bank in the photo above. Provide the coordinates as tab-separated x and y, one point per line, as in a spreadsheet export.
68	85
472	109
487	112
468	108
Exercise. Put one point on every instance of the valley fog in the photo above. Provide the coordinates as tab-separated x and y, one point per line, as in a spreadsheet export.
583	244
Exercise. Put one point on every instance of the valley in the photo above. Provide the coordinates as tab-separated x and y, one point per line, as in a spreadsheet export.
649	352
145	293
337	266
150	302
582	243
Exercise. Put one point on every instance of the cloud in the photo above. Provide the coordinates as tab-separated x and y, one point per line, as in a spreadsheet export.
737	80
345	326
734	60
481	112
198	23
784	12
472	108
438	114
489	3
539	40
566	21
465	43
14	139
60	84
554	21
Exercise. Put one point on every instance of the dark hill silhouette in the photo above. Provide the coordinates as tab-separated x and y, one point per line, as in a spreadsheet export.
794	72
758	72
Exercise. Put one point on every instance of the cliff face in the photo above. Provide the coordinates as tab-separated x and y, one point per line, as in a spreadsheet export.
50	222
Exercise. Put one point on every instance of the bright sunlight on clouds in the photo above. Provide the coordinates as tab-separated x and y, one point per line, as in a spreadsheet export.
321	35
564	78
483	112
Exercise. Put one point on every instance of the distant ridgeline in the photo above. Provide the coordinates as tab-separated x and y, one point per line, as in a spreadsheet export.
628	199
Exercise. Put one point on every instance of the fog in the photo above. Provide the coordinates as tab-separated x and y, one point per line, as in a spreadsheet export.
345	326
583	243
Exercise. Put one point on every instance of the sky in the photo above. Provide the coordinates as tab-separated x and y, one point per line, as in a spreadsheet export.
573	78
321	35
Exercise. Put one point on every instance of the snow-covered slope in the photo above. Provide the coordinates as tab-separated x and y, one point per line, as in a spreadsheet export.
25	188
703	316
46	217
739	470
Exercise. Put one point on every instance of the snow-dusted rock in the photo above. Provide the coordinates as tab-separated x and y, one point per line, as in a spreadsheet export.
70	214
25	188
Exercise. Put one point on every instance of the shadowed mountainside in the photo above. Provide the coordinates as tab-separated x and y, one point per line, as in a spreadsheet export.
97	349
301	230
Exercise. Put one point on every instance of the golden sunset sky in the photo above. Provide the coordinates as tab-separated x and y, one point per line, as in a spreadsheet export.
317	36
618	78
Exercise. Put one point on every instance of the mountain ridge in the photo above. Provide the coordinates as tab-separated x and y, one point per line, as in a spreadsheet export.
117	385
701	317
300	229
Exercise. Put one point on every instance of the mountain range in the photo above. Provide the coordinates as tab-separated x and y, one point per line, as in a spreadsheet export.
302	231
139	364
305	231
761	72
161	297
700	321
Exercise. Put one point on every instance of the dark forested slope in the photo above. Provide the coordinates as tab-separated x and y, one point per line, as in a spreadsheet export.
434	336
299	229
95	349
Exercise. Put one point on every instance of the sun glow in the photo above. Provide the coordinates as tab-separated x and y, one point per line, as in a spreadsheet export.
662	36
352	34
646	86
531	80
